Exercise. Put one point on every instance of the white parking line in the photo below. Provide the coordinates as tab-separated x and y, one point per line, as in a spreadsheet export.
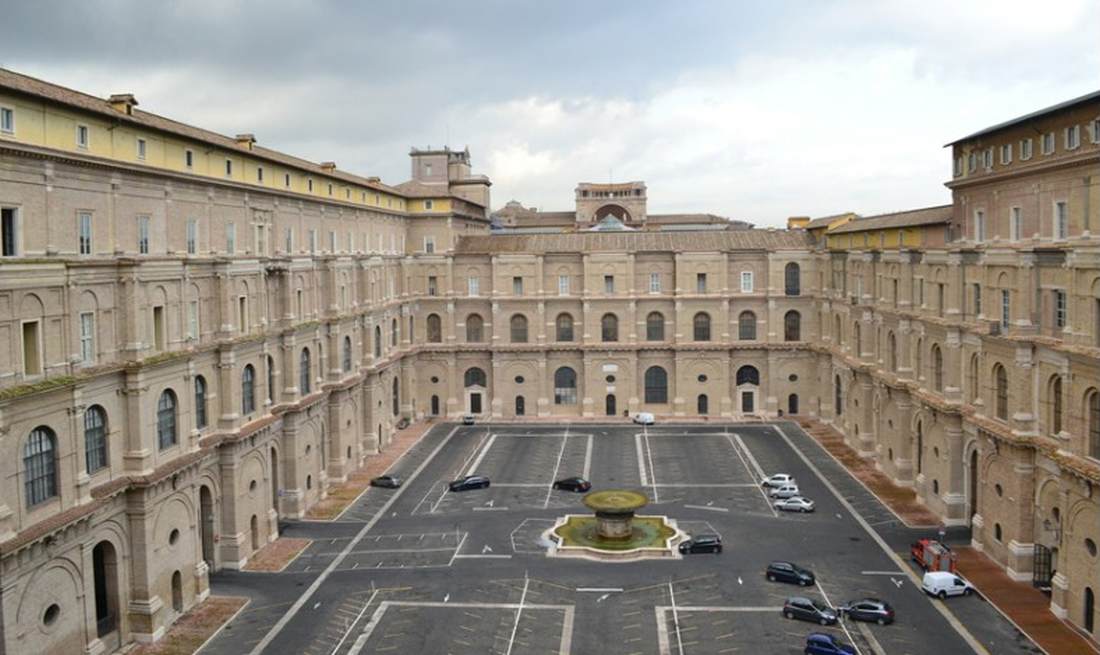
767	501
458	548
519	612
817	583
712	509
479	556
644	479
353	623
652	471
481	455
557	466
675	618
588	458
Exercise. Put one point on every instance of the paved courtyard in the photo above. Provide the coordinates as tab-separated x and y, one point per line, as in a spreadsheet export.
423	570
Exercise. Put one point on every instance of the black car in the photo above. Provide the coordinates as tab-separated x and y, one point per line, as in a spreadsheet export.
869	609
805	609
386	482
469	482
577	484
701	543
790	572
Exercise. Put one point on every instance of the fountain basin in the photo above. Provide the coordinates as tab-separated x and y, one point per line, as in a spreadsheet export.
650	537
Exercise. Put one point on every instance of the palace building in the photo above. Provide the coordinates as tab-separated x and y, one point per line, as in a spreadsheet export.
200	335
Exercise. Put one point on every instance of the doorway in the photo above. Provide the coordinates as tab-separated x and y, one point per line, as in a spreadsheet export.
521	406
473	402
748	402
435	406
610	405
206	525
274	481
177	592
972	495
254	528
1090	610
702	405
792	403
105	572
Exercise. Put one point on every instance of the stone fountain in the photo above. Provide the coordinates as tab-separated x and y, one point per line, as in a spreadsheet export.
615	532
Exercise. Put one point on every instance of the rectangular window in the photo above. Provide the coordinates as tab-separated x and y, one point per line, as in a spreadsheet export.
81	136
1061	220
84	232
432	285
158	327
289	240
229	168
193	319
300	304
1015	224
260	174
987	158
609	284
87	337
700	282
427	205
1025	149
979	226
7	120
958	166
1096	130
141	148
473	286
1073	137
32	349
1059	308
309	185
261	240
231	238
331	241
242	314
563	285
1005	308
330	189
429	244
143	234
746	281
1006	153
7	231
940	300
517	286
977	299
654	282
1048	143
312	241
972	162
192	236
286	180
188	159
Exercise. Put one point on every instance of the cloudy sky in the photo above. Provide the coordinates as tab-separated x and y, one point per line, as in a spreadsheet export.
756	111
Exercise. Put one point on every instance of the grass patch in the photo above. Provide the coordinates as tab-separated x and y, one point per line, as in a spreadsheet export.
192	629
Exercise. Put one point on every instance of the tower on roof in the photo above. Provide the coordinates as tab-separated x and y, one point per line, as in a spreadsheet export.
626	201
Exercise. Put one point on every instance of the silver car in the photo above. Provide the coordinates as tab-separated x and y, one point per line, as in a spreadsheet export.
786	491
795	504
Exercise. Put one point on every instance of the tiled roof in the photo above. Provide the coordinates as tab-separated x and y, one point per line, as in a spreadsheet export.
1088	97
634	241
53	92
414	189
824	221
911	218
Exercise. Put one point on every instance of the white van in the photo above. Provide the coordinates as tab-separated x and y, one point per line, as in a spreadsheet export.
944	583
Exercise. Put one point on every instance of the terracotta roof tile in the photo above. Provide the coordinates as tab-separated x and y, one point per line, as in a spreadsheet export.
723	240
911	218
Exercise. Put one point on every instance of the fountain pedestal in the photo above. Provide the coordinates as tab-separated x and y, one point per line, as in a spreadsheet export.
615	533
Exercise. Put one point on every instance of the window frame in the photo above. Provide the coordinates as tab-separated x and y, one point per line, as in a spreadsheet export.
167	420
7	115
141	148
87	337
1027	149
748	281
1006	154
1071	137
96	456
40	467
143	222
83	136
1047	143
84	234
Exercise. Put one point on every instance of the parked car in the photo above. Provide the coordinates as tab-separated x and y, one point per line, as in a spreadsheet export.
868	609
644	418
781	571
942	584
467	419
701	543
786	491
577	484
778	480
821	643
805	609
795	504
386	482
469	482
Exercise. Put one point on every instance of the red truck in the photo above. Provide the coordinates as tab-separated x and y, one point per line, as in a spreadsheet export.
932	555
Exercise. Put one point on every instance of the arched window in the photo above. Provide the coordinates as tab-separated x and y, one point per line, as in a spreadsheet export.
972	378
891	351
435	329
474	377
200	402
792	277
701	325
396	397
1000	391
655	327
920	448
937	368
565	386
609	328
377	340
564	324
303	372
518	326
95	438
792	326
857	339
918	360
838	396
1056	404
746	326
270	379
347	354
248	390
166	419
40	466
475	329
393	332
748	375
1092	416
656	385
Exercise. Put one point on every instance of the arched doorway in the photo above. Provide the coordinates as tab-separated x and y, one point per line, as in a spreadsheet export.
105	573
254	529
177	592
521	406
792	403
275	481
435	406
610	405
476	383
748	381
1090	610
206	525
702	405
972	491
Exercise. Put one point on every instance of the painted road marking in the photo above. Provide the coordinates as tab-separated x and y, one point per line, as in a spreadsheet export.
641	459
712	509
481	456
763	494
557	467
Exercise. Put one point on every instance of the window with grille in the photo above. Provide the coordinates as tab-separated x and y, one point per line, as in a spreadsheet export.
40	466
655	327
746	326
166	420
95	439
656	385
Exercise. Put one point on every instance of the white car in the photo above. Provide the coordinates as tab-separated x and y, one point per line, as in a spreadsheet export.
644	418
942	584
786	491
795	504
778	480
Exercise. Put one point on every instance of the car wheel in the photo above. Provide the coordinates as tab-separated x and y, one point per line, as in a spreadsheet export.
803	510
771	578
824	621
718	550
788	615
966	592
942	595
881	621
802	583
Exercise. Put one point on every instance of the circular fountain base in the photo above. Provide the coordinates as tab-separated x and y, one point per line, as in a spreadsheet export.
650	537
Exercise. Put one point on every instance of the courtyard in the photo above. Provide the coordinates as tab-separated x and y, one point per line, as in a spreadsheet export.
420	569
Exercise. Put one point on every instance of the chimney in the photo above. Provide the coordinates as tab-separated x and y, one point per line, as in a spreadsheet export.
374	178
797	222
123	103
328	166
246	141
